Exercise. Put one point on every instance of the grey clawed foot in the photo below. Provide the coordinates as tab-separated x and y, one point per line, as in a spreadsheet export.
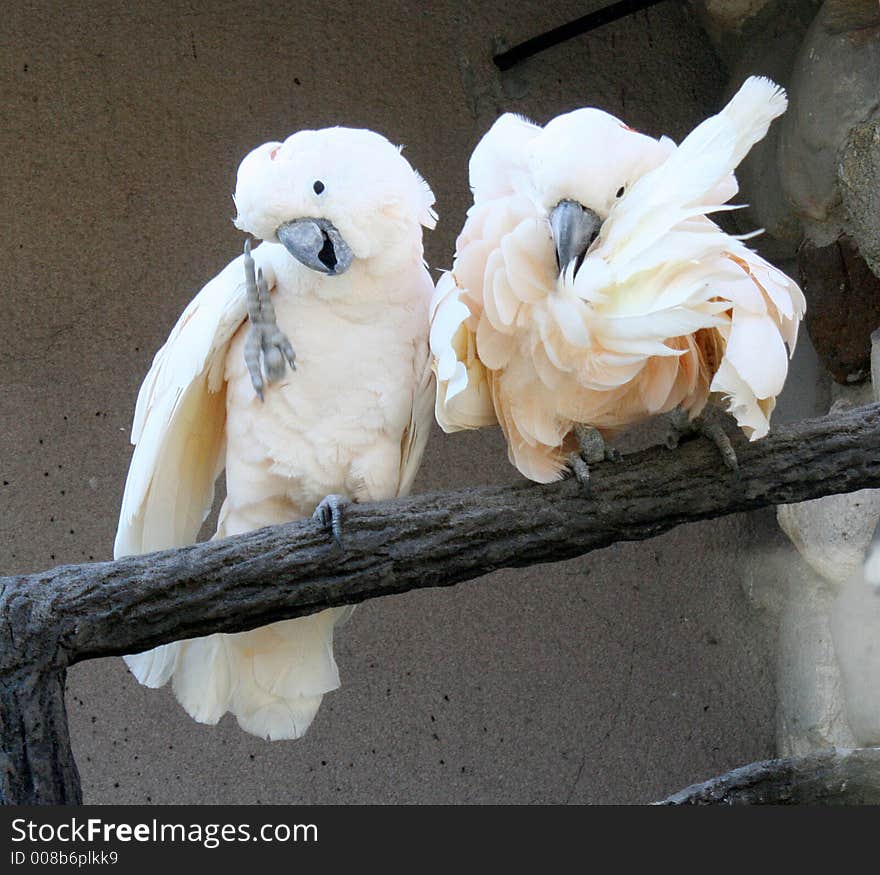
265	340
718	436
592	450
680	425
329	514
581	471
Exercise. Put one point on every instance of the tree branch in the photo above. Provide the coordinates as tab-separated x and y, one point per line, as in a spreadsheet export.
55	618
36	763
435	539
833	777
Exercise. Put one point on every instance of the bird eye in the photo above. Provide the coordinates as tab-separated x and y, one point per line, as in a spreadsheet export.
619	192
318	186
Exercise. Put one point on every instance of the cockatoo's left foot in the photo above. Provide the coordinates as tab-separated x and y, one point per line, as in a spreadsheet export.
265	338
329	514
592	451
681	425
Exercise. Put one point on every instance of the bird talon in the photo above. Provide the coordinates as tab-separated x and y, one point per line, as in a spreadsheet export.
273	362
718	436
593	450
591	443
581	471
329	514
252	360
267	347
681	426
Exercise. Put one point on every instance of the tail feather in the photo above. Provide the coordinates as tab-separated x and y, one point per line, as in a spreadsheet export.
292	658
272	678
154	668
276	719
204	678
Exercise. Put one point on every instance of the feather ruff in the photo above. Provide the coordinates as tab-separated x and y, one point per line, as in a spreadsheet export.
665	310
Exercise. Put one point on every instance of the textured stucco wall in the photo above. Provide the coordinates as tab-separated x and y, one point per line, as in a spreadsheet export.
616	678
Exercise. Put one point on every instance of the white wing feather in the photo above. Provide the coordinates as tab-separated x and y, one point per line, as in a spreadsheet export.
178	428
179	437
416	436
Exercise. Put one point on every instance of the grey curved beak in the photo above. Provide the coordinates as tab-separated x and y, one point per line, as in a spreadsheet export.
317	244
574	228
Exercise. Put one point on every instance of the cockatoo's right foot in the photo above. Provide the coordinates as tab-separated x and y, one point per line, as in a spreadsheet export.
680	425
329	514
592	451
265	338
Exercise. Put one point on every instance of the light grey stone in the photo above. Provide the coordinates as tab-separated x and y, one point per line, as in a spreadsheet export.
855	625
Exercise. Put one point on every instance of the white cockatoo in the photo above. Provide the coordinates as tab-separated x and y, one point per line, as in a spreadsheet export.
589	291
341	213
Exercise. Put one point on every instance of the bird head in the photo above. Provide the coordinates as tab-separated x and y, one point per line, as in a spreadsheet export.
575	171
334	197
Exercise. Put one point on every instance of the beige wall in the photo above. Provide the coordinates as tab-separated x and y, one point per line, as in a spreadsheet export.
620	677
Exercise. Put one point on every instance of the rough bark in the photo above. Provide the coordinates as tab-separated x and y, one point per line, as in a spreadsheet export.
55	618
36	764
834	777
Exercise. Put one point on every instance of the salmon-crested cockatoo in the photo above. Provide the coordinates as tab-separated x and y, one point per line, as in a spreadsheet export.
340	279
590	291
